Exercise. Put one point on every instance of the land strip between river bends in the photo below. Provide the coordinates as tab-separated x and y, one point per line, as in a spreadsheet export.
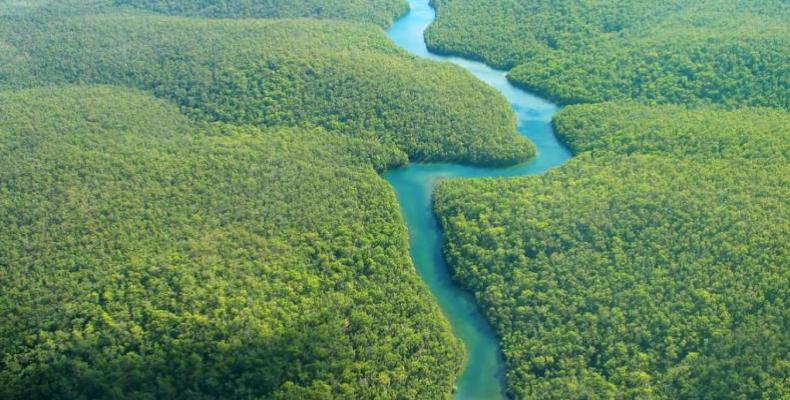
653	264
349	79
483	376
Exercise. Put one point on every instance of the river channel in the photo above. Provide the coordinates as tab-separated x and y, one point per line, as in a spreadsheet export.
483	374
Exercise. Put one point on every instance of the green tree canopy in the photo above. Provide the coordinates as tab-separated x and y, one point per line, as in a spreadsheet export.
651	266
343	77
732	52
146	256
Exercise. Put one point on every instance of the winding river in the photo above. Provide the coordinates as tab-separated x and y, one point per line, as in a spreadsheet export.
483	376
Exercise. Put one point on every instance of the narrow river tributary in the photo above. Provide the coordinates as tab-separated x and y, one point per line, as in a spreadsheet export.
483	375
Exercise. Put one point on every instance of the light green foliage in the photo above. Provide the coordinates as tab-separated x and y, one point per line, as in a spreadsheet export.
702	132
381	12
652	267
732	52
341	76
145	256
244	247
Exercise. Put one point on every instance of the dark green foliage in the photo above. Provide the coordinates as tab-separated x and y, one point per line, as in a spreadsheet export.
654	266
381	12
148	253
341	76
145	256
733	52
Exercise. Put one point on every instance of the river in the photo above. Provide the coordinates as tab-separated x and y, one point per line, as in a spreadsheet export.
483	374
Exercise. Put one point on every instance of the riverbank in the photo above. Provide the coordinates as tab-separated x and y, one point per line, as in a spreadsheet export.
484	373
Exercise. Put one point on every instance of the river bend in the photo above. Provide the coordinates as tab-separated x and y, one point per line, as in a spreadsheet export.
483	375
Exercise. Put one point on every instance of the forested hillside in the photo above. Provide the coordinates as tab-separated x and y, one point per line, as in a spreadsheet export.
380	12
146	256
344	77
44	7
732	52
639	278
190	204
653	265
677	130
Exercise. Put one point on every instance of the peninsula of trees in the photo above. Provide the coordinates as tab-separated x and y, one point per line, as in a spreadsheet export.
191	207
654	264
732	52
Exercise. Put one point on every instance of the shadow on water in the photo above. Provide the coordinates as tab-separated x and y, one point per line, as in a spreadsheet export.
483	376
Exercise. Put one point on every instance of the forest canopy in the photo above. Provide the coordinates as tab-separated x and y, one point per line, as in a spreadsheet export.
653	265
144	255
379	12
213	224
191	207
343	77
676	130
688	51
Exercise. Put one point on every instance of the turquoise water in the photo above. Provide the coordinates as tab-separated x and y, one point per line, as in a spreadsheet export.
483	376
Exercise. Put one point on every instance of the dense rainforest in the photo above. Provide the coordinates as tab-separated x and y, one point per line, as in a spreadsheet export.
653	265
677	130
341	76
637	277
379	12
191	208
144	255
733	52
213	224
